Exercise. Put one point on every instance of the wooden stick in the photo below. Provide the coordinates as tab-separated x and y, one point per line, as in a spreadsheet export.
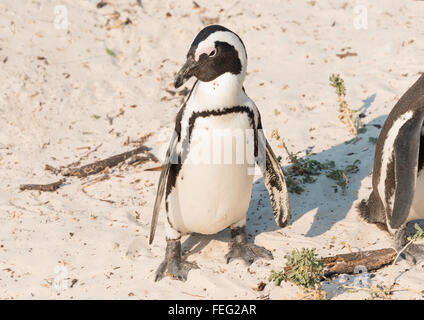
73	164
42	187
154	169
142	159
101	165
346	263
346	54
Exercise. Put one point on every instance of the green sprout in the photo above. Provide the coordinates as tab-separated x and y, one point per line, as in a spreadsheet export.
337	82
419	235
372	140
340	176
346	115
353	141
110	52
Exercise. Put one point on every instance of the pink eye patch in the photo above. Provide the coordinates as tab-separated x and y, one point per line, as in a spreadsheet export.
201	51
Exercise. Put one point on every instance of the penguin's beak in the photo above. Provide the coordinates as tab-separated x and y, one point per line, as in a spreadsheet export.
186	72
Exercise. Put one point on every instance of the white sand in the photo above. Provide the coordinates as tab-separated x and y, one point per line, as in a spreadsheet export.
53	106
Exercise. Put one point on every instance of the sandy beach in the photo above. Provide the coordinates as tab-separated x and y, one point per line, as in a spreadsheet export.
83	81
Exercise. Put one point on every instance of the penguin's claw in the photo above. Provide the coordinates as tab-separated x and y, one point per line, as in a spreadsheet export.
176	269
409	258
413	254
248	252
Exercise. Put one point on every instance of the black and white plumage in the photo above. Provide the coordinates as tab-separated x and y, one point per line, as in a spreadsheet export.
398	179
208	196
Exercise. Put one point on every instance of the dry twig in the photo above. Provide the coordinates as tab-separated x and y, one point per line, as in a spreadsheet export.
101	165
42	187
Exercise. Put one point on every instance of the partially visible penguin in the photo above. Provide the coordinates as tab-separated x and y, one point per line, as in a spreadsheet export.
398	179
207	197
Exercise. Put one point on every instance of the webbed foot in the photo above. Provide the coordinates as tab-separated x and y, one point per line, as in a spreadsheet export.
173	265
241	248
413	252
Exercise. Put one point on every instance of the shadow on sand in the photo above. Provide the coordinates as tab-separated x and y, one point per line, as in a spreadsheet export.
323	195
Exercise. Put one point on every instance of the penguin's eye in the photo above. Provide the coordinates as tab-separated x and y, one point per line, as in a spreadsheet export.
212	53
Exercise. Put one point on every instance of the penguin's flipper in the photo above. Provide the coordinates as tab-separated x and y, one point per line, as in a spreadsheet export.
170	158
170	155
273	179
277	189
406	152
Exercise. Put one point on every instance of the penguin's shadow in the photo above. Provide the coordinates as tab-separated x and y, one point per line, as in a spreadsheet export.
323	196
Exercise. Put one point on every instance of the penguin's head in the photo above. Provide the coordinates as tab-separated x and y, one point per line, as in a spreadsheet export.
215	51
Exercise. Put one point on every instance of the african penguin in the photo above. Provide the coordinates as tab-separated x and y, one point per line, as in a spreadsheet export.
398	179
205	193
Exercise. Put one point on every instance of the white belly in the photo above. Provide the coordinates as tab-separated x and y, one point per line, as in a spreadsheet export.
417	208
209	198
214	186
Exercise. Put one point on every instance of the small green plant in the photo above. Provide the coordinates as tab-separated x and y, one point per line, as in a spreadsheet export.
361	128
353	141
340	176
303	170
111	52
419	235
303	268
305	166
337	82
293	185
346	115
372	140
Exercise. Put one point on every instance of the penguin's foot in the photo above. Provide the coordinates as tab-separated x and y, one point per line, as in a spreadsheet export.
173	265
175	268
413	253
241	248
